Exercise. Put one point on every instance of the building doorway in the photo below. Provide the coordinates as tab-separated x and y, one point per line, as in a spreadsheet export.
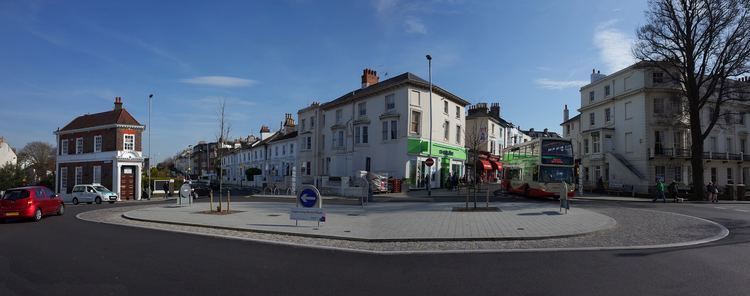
127	182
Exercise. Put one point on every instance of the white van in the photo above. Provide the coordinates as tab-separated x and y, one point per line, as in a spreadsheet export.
91	193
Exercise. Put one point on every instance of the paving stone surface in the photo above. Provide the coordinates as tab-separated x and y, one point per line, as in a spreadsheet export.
635	228
394	221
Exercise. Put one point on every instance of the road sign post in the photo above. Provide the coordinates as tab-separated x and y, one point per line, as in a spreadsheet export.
311	203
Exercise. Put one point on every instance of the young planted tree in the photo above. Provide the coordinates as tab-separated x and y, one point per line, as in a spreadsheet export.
702	46
224	129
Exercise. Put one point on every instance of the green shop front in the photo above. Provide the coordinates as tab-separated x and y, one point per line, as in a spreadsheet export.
449	160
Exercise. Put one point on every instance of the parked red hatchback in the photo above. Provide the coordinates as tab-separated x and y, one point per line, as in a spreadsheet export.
31	202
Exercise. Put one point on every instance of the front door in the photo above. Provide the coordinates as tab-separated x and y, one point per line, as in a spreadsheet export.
127	183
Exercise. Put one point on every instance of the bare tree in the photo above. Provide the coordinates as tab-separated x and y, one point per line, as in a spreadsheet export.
474	140
701	46
38	158
224	129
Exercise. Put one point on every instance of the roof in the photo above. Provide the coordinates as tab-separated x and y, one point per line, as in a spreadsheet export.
120	116
577	117
541	134
286	136
406	78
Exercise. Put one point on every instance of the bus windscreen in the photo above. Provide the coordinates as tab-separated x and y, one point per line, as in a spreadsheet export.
557	152
549	174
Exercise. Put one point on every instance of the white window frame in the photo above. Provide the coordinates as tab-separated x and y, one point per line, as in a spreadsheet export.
128	145
97	174
98	143
362	109
384	130
412	120
447	131
79	145
458	112
79	175
64	147
64	180
390	102
445	107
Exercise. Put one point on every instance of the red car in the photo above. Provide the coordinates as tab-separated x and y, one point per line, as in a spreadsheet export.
31	202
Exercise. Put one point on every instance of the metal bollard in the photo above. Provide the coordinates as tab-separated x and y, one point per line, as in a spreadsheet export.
211	202
229	199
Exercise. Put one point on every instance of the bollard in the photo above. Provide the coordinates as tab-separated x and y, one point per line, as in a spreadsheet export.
211	202
229	199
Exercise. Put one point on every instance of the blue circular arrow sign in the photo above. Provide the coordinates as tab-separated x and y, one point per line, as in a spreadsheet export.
308	198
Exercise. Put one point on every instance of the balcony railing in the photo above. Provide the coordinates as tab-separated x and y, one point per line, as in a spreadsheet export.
685	153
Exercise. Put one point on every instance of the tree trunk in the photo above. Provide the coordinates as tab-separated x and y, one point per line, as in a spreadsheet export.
696	154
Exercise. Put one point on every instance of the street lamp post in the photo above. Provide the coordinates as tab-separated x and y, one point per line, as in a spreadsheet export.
150	96
429	153
190	160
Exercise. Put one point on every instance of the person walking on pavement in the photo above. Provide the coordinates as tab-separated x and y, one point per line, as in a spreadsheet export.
660	191
165	186
674	190
712	192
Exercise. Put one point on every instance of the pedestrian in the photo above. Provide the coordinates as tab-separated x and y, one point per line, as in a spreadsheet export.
564	203
449	181
712	192
674	190
600	185
165	186
660	191
454	180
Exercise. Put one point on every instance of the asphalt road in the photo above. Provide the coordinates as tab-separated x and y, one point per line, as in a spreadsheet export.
66	256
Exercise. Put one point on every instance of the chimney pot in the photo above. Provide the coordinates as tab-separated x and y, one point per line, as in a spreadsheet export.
369	77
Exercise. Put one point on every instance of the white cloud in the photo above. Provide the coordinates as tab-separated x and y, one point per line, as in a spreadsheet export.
221	81
614	46
384	5
415	25
560	84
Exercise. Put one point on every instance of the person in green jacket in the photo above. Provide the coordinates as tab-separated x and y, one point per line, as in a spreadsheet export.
660	191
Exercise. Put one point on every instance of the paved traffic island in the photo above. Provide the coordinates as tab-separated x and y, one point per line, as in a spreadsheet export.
350	228
391	222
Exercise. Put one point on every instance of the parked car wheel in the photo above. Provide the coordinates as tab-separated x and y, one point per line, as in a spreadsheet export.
75	201
37	215
98	200
61	210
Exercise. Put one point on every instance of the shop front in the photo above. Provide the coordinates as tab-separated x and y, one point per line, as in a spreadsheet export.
449	160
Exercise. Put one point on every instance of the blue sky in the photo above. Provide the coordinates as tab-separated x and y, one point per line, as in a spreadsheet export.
61	59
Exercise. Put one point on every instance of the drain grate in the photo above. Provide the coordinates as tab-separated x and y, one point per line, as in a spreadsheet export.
520	228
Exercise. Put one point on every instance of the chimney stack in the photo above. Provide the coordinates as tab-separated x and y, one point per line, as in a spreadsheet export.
566	114
369	77
597	75
118	103
495	109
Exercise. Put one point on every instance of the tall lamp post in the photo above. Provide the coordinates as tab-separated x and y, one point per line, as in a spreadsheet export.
150	96
429	153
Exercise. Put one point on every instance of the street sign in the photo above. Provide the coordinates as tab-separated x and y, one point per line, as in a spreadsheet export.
308	214
429	162
185	197
308	197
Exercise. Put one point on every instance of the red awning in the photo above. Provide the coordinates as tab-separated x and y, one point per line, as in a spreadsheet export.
498	165
486	164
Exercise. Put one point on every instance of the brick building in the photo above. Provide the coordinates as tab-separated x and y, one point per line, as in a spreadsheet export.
102	148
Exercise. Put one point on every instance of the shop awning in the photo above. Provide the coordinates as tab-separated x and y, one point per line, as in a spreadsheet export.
486	164
497	165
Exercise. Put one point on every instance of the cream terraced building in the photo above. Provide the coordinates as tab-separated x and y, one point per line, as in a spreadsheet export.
383	127
629	132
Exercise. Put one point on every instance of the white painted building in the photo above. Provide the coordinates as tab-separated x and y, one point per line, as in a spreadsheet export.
383	127
629	133
273	154
7	155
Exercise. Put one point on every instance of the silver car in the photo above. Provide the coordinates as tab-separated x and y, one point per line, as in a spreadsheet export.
91	193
